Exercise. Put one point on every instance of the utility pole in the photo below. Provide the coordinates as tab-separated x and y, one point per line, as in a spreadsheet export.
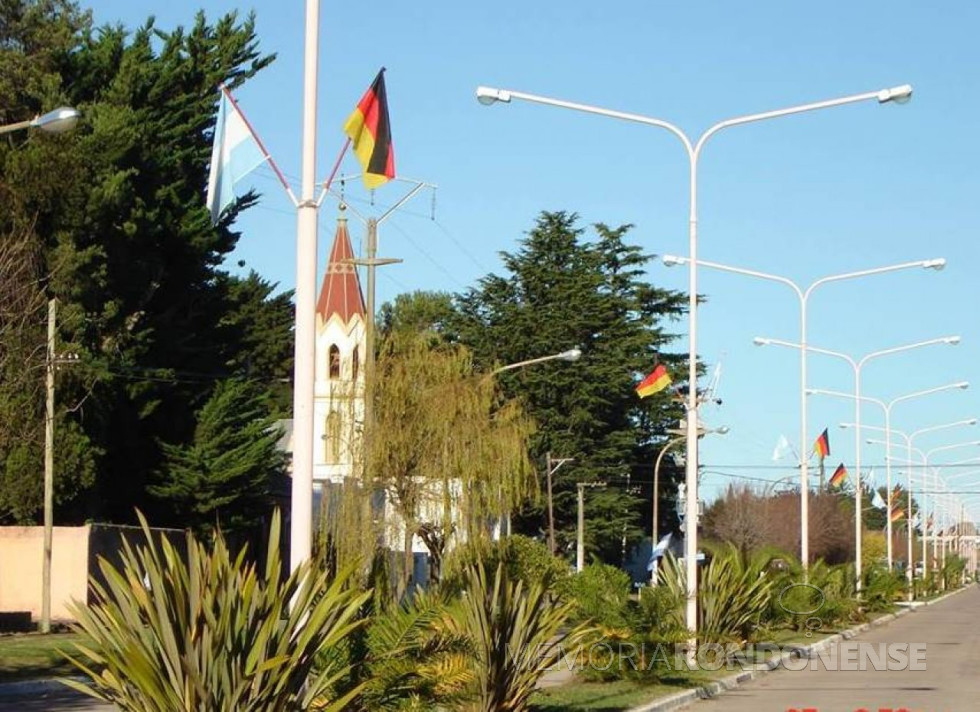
551	467
48	469
51	363
580	551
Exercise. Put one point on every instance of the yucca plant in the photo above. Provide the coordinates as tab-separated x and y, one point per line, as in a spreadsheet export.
517	633
212	634
733	594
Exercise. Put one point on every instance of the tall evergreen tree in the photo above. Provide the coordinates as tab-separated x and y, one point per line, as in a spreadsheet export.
114	213
560	291
228	474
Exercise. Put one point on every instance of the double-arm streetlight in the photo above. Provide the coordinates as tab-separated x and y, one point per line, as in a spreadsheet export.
803	295
693	148
887	407
924	456
856	366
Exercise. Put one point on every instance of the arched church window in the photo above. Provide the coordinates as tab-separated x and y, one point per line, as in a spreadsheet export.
332	438
355	364
333	356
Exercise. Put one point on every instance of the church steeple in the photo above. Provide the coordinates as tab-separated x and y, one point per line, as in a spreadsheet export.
340	293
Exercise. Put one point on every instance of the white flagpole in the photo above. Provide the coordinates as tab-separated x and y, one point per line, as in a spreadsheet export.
265	153
301	525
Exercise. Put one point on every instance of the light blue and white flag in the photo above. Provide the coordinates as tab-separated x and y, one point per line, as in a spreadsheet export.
659	550
236	153
878	501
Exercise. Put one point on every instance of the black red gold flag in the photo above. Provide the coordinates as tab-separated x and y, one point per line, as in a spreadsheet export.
370	133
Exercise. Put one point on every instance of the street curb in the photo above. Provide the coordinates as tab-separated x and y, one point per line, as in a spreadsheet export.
28	688
719	687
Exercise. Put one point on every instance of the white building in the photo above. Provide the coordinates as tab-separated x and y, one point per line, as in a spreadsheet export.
339	388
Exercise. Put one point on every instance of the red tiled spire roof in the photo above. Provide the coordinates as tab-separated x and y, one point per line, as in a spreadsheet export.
341	290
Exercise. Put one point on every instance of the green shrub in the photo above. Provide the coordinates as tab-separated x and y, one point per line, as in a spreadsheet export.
600	594
881	588
953	571
524	559
213	634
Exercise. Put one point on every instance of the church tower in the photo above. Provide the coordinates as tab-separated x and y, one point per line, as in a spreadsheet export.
340	352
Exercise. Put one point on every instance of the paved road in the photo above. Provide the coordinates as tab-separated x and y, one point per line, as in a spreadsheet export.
950	682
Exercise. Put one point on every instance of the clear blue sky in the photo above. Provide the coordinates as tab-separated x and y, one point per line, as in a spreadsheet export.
806	196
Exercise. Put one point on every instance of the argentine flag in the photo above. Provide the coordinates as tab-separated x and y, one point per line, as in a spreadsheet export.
236	153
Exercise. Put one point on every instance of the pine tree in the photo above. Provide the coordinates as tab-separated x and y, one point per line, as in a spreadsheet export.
114	216
227	476
561	291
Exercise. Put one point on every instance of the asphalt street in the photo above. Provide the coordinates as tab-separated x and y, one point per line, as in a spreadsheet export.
950	681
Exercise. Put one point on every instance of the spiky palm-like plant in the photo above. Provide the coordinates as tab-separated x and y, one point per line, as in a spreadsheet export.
417	658
212	634
733	594
517	633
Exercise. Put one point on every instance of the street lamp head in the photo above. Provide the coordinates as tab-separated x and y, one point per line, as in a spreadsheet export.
571	355
723	430
489	95
57	121
761	341
952	340
971	421
963	385
899	95
938	264
673	260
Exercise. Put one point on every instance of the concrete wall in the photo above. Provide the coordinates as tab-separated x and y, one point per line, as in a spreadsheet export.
21	554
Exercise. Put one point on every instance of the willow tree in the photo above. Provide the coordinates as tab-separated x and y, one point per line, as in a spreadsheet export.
447	450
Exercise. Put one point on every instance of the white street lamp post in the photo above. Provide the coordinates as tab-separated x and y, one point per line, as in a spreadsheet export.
888	410
488	95
909	440
803	294
856	366
924	457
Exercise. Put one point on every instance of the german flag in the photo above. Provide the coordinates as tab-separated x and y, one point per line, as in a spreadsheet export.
897	514
840	474
654	383
822	445
370	133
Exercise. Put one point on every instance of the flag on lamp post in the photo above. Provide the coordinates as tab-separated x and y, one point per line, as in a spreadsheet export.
822	445
840	474
236	152
878	501
369	130
654	383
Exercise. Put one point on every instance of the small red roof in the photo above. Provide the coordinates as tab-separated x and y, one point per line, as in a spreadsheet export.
341	290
